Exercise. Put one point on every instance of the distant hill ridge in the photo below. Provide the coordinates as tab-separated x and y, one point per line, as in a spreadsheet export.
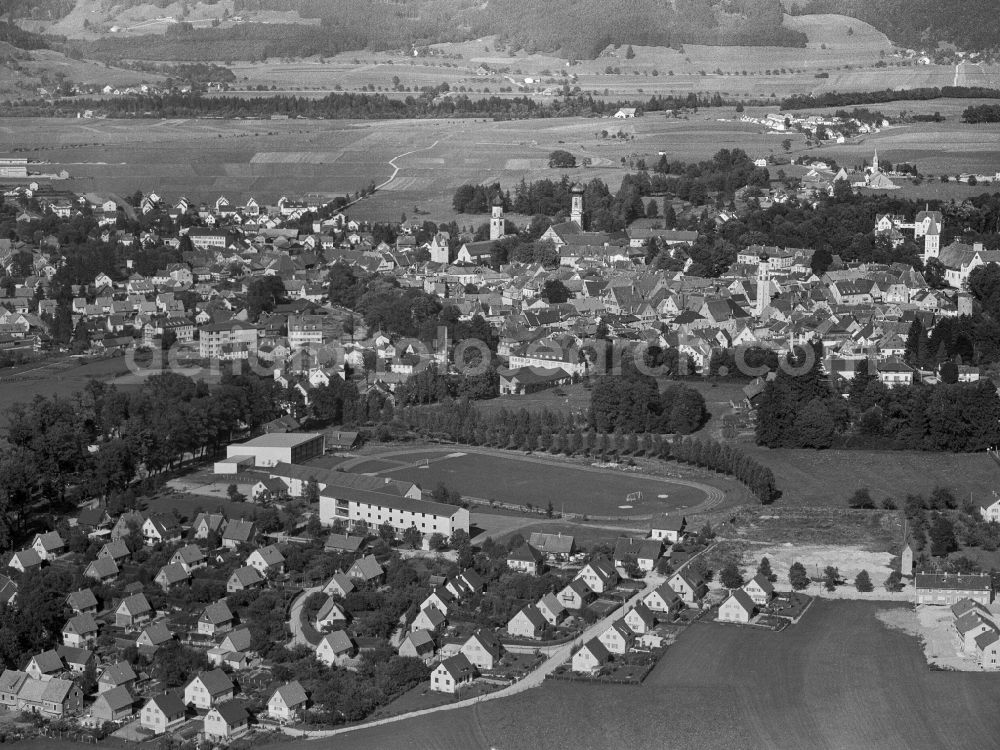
971	25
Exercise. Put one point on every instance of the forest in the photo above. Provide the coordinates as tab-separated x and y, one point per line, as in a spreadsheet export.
575	29
919	24
803	411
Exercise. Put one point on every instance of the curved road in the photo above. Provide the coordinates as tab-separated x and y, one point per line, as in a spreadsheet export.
533	679
295	618
713	495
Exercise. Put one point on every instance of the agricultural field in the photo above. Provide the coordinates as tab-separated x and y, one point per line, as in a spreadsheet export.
829	477
574	487
838	679
419	163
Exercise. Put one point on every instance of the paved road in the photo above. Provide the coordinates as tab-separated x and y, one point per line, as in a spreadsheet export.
533	679
295	619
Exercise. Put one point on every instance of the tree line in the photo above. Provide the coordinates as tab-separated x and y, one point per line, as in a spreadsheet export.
803	411
347	105
561	433
981	113
849	98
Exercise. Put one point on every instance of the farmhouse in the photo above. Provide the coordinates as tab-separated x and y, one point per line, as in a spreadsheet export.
554	546
948	588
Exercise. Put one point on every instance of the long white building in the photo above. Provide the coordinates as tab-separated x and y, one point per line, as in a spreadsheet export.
353	505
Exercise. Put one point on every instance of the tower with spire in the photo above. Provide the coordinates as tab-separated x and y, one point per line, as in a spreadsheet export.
496	219
576	205
875	162
763	285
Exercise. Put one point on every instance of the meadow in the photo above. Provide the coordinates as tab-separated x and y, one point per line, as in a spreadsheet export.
571	486
838	679
829	477
419	163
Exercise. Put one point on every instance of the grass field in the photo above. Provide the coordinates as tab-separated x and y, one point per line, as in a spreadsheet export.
830	477
511	479
838	680
205	158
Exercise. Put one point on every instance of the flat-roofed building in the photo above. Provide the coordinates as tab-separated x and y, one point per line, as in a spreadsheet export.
278	447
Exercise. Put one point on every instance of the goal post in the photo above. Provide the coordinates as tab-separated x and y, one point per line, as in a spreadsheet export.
633	497
423	463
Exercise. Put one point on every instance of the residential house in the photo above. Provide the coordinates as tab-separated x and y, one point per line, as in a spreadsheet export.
640	619
366	569
266	560
335	648
617	637
483	650
208	523
116	550
48	545
528	622
689	587
760	590
330	615
244	578
216	619
152	637
738	607
452	674
590	657
663	599
643	552
239	532
226	721
162	713
575	595
428	619
102	570
119	674
208	689
79	631
170	575
599	575
113	705
418	644
54	698
440	598
159	529
669	528
553	546
45	665
338	585
132	611
551	608
190	557
288	702
24	560
82	602
76	659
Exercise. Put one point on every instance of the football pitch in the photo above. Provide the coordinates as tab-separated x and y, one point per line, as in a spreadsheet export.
538	480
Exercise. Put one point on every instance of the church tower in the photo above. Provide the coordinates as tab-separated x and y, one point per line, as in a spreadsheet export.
763	286
875	162
932	241
576	207
496	220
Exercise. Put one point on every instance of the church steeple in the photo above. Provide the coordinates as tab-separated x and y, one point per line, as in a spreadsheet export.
875	162
576	206
763	285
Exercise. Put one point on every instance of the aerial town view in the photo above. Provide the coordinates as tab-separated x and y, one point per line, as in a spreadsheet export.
488	375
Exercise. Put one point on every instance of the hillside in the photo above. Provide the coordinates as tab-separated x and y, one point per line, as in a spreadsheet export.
130	29
967	24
